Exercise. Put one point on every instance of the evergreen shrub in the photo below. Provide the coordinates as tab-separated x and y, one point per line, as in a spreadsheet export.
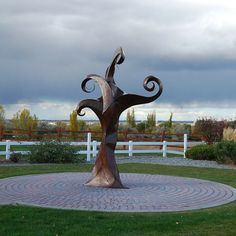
222	152
226	151
202	152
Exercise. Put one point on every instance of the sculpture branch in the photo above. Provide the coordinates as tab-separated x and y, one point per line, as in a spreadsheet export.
129	100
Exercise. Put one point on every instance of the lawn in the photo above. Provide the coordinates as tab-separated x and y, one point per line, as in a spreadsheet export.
22	220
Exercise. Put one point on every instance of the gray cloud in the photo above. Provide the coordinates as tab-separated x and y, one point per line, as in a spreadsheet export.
48	47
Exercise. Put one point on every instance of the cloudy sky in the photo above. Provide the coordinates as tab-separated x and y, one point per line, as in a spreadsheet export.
48	47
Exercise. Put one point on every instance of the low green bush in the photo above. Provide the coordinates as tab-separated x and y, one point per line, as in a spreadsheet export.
226	152
53	152
222	152
202	152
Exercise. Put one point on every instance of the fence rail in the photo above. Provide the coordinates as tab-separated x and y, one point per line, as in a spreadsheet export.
128	147
18	134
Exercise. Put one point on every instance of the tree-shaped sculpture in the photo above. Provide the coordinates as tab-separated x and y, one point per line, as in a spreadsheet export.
108	109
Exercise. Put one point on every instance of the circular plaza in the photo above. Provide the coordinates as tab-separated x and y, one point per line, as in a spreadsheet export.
144	193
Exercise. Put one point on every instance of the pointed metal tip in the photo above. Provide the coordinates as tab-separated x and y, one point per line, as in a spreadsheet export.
119	55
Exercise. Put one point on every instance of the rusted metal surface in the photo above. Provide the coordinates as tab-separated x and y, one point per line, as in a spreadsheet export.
108	109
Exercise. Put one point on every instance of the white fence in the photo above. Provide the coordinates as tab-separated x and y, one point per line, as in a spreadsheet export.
92	147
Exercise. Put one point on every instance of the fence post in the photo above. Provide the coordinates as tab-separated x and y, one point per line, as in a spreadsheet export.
88	146
30	133
164	149
94	148
1	132
8	149
185	144
130	148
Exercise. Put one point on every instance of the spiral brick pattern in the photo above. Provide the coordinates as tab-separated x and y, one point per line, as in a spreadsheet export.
145	193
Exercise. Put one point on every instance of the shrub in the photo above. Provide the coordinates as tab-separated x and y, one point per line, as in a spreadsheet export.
222	152
15	157
181	129
53	152
226	152
202	152
210	130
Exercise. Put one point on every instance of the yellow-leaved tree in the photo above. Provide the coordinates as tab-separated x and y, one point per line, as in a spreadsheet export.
2	121
151	122
24	123
74	126
2	117
130	118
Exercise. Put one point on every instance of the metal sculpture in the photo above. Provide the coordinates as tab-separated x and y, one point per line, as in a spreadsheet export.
108	109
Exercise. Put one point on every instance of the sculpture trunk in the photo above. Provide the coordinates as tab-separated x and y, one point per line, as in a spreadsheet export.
105	172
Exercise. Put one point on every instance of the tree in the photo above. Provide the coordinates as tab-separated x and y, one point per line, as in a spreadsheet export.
2	116
181	128
141	127
170	122
130	118
167	124
24	121
151	122
44	129
210	130
82	125
166	127
74	124
60	125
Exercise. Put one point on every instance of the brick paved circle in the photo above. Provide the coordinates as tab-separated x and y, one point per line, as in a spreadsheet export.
146	193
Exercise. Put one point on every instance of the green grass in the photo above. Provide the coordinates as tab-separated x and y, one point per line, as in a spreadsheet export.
36	221
23	220
8	171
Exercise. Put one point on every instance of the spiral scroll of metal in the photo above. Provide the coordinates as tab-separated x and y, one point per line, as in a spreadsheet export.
108	109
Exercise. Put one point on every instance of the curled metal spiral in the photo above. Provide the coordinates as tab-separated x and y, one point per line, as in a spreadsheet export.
151	79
